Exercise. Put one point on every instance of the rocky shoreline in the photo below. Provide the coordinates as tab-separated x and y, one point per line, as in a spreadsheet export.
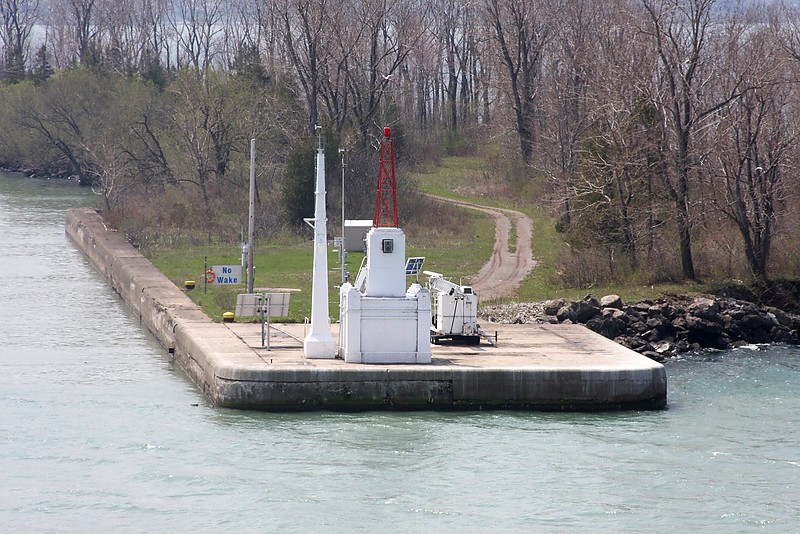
663	328
29	172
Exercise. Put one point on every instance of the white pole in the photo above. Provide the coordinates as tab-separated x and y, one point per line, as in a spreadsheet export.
252	228
319	341
342	251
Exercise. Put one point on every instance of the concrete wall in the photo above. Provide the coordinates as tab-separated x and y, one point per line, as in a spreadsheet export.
173	318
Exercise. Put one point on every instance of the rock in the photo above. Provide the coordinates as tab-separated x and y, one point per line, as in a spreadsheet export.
652	336
663	309
755	321
608	325
740	310
679	323
653	355
781	316
634	314
611	301
782	334
615	313
708	334
702	327
634	343
585	310
551	307
664	347
637	327
566	313
705	308
662	328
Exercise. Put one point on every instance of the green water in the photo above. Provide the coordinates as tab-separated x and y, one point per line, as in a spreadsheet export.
101	432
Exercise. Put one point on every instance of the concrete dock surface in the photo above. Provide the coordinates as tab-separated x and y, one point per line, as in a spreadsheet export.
544	367
536	346
533	367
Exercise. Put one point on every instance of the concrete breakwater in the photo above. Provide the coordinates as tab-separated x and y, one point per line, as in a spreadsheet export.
173	318
544	367
663	328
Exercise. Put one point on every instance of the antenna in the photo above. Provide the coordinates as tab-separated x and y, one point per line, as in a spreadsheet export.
386	196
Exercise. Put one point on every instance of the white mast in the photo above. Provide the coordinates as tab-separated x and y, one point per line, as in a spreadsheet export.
319	341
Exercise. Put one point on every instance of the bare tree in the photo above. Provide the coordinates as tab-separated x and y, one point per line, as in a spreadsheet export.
757	139
346	56
461	46
450	36
420	76
569	73
85	26
681	32
785	18
196	27
251	32
389	34
77	31
131	34
18	18
603	145
521	30
303	31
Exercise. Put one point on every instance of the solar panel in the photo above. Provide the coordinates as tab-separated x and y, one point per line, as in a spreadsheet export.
413	265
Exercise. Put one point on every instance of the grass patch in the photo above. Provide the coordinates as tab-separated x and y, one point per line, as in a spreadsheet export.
452	177
276	266
459	254
289	264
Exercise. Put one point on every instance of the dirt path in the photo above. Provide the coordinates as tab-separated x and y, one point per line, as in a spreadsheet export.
502	275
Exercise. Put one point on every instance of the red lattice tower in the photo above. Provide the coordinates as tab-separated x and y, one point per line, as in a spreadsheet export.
386	197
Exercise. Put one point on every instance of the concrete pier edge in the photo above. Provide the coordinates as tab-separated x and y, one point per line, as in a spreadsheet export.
232	374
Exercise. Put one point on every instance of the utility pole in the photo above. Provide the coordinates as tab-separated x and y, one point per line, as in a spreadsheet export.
252	228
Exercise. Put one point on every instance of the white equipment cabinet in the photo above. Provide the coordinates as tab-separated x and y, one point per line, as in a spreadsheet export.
455	311
382	321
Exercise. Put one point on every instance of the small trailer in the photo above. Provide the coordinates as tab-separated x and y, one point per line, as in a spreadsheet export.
455	314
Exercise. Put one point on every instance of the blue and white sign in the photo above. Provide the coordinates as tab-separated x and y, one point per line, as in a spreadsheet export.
227	274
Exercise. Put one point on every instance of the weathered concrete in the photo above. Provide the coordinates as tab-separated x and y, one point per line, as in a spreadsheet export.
547	367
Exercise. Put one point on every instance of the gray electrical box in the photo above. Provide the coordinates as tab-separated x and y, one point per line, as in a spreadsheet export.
354	233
